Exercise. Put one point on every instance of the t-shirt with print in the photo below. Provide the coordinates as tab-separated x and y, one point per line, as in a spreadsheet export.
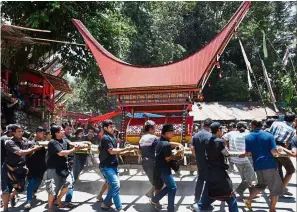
55	161
12	146
237	144
163	150
260	144
147	145
107	160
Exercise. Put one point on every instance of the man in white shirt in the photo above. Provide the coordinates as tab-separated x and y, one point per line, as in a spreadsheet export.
236	141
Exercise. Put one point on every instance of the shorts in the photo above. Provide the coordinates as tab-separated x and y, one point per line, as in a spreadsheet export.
270	178
54	182
287	163
6	187
149	169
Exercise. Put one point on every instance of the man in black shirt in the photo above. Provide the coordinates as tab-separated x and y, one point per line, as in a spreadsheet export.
69	138
198	146
36	165
7	136
109	165
218	184
147	146
57	175
163	158
14	164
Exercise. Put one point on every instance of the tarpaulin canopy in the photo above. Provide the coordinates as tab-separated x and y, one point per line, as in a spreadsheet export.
100	118
143	115
188	72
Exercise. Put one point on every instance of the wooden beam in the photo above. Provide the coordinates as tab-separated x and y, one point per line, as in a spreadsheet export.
26	28
58	41
153	91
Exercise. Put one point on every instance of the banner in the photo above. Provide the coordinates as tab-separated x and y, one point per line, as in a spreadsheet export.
248	65
286	57
265	52
273	100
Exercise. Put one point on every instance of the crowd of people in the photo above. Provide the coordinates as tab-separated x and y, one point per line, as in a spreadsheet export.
257	151
265	150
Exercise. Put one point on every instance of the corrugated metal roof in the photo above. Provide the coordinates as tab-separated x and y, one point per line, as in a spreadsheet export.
229	111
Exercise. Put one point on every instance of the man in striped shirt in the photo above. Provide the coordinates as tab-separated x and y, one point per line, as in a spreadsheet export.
284	134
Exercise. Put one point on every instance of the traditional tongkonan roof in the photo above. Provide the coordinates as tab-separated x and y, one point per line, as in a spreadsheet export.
189	72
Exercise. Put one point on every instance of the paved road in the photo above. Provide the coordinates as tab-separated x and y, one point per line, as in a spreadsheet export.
134	185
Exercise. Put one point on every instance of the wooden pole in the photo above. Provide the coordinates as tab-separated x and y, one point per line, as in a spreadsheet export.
26	28
57	41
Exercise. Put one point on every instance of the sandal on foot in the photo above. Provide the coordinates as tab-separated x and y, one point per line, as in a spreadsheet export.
104	207
248	204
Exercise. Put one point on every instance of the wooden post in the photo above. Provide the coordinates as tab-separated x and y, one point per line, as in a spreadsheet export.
184	125
123	127
43	96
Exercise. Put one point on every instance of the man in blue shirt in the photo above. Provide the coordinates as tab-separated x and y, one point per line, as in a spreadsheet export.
198	147
262	147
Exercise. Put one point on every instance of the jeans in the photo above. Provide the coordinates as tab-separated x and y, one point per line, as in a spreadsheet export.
69	194
79	163
170	189
206	201
199	184
33	185
112	177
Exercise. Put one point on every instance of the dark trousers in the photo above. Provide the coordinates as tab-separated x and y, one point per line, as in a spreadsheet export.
199	184
206	201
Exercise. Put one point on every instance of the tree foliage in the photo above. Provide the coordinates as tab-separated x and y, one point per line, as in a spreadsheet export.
154	33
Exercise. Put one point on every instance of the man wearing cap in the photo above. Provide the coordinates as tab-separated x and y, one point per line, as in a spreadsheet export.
36	165
147	146
198	147
163	157
218	184
284	134
236	140
14	169
261	146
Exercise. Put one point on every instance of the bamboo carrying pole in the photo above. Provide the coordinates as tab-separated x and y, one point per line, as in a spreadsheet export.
26	28
57	41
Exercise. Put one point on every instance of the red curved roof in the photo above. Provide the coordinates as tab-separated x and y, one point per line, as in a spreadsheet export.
188	72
